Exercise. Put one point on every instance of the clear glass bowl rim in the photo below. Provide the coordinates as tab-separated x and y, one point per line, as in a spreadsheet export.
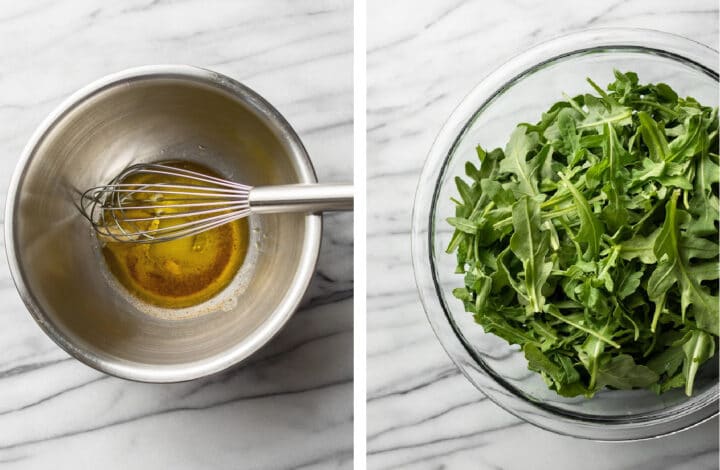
689	52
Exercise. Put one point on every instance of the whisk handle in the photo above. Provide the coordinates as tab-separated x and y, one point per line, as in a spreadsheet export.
301	198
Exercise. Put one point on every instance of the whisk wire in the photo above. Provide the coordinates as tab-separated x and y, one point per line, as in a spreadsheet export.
138	208
156	168
124	210
206	223
182	215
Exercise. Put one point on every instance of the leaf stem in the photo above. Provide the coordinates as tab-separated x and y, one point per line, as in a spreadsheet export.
655	105
582	328
659	306
608	120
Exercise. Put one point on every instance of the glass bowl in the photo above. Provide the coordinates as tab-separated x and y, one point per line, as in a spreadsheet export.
520	91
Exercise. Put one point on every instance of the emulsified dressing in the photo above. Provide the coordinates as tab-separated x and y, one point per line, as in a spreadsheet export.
183	272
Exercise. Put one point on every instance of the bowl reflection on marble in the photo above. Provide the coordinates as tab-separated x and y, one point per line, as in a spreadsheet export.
140	115
520	91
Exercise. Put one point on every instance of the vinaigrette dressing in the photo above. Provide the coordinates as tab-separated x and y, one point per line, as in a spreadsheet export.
183	272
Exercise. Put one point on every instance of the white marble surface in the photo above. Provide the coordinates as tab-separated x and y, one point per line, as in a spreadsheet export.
291	407
423	57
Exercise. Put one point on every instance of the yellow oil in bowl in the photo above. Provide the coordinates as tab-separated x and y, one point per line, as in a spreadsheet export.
184	272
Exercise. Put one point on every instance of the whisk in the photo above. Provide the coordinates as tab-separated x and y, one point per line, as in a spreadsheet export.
147	212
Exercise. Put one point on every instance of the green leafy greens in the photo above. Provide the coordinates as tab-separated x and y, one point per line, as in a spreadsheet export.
591	240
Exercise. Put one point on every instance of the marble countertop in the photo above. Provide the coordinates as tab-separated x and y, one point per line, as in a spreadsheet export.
423	58
291	406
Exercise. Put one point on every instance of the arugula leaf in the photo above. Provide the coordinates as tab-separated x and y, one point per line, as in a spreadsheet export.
672	267
667	362
623	373
530	244
590	353
602	112
464	225
590	227
654	137
559	373
521	143
640	247
705	204
689	142
614	153
629	283
698	348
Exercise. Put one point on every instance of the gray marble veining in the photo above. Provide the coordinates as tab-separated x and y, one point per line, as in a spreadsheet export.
423	58
291	405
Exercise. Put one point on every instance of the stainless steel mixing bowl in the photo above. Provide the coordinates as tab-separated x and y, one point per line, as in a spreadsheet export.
139	115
